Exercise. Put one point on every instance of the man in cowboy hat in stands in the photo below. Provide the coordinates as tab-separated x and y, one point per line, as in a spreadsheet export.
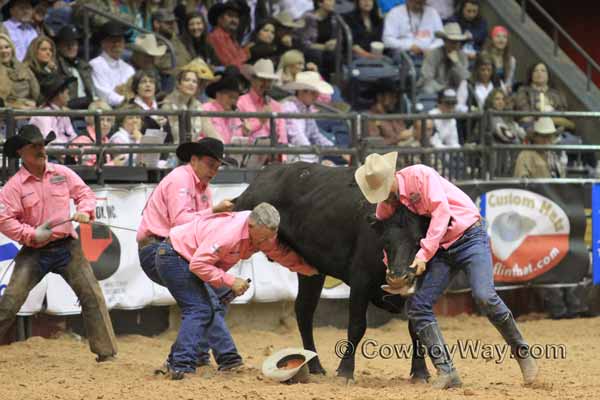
18	23
456	240
307	87
225	93
193	264
179	198
446	66
35	211
164	23
146	51
262	75
225	18
55	96
81	91
108	69
540	164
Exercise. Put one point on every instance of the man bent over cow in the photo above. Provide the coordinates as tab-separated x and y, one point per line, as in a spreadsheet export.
456	240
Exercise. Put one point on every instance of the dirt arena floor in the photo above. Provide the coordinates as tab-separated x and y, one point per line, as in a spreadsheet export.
63	368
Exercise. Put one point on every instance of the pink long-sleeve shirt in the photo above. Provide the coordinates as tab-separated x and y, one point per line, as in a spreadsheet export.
226	127
61	126
252	102
214	243
425	192
27	202
177	199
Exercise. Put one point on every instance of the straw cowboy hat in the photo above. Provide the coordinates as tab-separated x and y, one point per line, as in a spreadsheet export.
200	67
285	19
544	126
452	31
288	365
147	44
376	176
263	69
28	134
309	80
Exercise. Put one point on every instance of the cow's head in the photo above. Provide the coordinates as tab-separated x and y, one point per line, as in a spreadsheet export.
401	235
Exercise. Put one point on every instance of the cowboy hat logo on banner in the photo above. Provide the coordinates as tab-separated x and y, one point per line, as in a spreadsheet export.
529	234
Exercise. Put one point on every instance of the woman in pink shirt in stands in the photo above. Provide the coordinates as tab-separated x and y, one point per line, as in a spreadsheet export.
456	240
89	137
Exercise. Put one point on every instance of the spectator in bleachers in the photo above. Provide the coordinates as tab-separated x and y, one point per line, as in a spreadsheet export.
319	36
445	8
187	7
81	91
474	92
393	132
286	33
446	66
445	132
225	93
194	37
108	69
18	22
184	98
498	47
411	27
225	17
540	164
539	94
55	96
89	136
305	132
258	100
146	50
129	132
23	88
41	58
164	24
144	86
366	25
262	42
503	130
469	17
290	64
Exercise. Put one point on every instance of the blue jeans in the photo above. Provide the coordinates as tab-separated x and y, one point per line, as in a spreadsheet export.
202	315
472	254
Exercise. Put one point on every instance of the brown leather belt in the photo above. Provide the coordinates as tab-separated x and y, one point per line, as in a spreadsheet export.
149	240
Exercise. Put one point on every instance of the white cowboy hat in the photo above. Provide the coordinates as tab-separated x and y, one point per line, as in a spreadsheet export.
452	31
375	178
309	80
509	230
146	43
288	363
286	19
544	126
263	69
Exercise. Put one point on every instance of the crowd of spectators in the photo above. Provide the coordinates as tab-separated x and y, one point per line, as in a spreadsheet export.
211	55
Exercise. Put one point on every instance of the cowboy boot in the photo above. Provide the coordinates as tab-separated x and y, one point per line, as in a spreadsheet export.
520	349
432	338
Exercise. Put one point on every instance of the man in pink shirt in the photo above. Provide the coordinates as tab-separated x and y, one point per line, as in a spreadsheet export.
180	197
195	259
456	240
35	211
258	100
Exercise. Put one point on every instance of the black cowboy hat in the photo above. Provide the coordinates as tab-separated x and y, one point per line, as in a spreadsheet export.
67	33
220	8
204	147
230	79
6	7
111	29
28	134
53	85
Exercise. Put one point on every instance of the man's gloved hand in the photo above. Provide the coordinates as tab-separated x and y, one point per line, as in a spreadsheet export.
80	217
43	232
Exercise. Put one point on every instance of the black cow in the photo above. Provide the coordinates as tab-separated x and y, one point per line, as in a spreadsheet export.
325	218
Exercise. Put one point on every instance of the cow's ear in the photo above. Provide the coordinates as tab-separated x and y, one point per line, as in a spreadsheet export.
375	223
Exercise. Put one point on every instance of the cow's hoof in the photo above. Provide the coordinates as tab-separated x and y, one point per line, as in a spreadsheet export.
347	375
419	376
345	381
316	367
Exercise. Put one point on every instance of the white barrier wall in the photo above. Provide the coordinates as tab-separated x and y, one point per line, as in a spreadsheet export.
114	258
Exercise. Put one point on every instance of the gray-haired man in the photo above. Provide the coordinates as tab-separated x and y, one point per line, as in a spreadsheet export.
193	263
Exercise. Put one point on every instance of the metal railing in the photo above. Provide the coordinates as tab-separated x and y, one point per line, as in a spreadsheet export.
479	160
558	30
